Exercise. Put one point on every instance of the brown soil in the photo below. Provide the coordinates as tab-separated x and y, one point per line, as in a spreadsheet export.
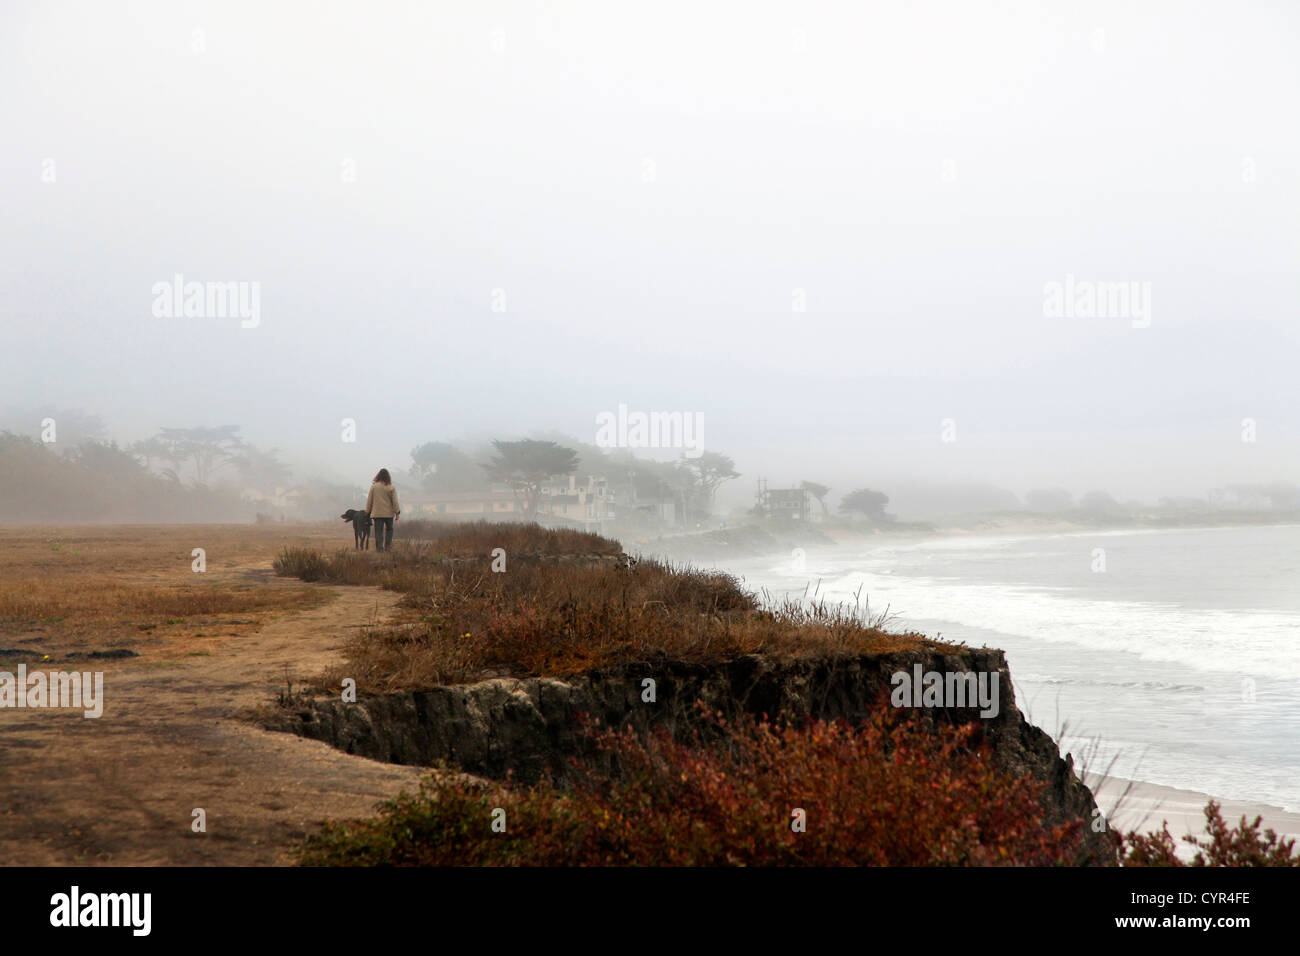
120	790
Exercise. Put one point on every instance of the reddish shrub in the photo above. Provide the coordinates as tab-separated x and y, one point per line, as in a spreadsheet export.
1242	845
891	791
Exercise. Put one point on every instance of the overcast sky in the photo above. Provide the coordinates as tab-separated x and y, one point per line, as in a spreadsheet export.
651	193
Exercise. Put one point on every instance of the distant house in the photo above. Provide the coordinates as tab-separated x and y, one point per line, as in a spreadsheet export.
794	504
564	500
492	504
589	503
1241	498
788	503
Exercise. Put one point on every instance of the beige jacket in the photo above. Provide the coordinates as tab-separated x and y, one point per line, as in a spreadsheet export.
382	501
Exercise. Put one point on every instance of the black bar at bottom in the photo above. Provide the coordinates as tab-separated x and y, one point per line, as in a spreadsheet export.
296	905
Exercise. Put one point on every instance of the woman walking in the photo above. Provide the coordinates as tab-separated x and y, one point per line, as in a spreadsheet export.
382	506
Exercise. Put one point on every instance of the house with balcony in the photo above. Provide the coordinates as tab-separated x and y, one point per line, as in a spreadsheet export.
588	502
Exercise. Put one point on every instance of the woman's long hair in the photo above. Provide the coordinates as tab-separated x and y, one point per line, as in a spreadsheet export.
384	476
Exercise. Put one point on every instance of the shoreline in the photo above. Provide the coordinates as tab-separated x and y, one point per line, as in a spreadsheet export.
1147	805
1028	525
717	547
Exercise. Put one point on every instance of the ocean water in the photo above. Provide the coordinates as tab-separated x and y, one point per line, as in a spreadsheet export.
1177	664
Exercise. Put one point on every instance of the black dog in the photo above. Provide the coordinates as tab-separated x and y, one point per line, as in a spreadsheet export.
360	528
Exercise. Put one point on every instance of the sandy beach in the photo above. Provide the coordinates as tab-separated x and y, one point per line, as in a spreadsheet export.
1147	805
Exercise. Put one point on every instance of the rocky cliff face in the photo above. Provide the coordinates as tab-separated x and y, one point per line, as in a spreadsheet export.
532	727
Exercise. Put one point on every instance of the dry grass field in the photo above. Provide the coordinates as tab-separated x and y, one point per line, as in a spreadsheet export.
122	789
83	589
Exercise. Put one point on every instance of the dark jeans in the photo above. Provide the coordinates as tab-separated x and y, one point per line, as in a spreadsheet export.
383	533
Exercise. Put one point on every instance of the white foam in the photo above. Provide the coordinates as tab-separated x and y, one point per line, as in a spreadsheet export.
1250	643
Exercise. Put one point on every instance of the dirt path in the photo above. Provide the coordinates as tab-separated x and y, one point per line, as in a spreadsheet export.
121	789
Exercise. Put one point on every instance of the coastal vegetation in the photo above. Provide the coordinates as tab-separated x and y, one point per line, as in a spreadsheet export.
891	791
562	603
1242	845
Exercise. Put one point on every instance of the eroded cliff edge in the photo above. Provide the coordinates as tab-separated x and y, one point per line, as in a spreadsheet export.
533	727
